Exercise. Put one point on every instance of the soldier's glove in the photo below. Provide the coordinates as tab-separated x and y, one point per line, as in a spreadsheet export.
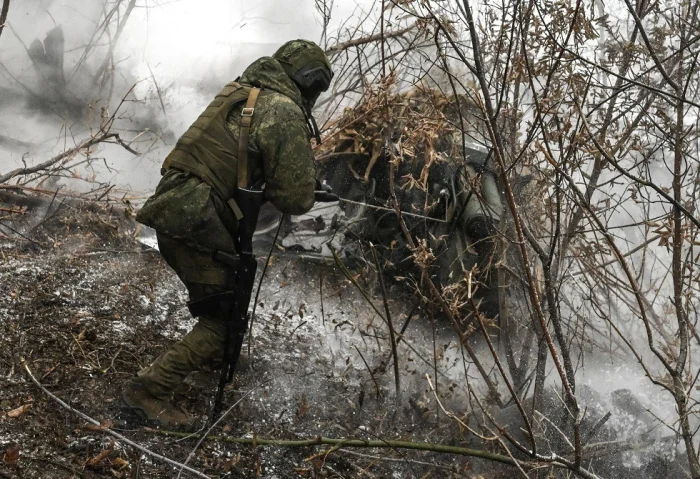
324	193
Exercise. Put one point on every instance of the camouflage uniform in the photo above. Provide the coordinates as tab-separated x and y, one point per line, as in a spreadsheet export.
193	220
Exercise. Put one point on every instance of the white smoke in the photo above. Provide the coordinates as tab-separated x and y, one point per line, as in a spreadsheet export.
177	54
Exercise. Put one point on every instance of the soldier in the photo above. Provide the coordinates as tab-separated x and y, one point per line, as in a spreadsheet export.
256	132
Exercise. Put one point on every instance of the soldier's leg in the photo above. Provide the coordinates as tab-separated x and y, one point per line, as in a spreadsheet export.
202	347
150	392
203	276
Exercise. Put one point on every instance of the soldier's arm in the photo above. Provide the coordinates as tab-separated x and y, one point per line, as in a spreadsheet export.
288	161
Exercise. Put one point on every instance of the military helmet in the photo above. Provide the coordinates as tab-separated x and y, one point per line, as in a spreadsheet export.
307	65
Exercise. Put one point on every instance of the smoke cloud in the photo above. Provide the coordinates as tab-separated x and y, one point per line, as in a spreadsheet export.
175	55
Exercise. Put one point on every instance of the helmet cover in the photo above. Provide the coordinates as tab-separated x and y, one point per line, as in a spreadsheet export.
307	65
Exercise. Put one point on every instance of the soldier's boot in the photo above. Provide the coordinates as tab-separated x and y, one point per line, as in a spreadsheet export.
208	378
201	347
153	409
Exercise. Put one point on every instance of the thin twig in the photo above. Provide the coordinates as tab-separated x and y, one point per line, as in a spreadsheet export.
204	436
320	292
120	28
369	370
392	334
160	95
105	429
349	276
391	210
452	415
257	293
513	393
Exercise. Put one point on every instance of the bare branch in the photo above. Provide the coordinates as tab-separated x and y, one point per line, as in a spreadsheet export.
339	47
85	144
3	14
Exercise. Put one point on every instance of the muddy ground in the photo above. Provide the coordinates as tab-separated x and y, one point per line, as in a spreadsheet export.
86	305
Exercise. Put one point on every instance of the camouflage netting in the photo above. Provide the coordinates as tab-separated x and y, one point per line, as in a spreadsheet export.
422	125
432	144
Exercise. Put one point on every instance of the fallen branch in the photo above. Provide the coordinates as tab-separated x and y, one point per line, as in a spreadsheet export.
14	211
67	154
100	427
62	194
360	443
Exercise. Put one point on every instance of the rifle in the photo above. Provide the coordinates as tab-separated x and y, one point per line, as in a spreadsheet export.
243	267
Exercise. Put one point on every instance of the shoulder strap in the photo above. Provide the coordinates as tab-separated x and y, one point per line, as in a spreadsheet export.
246	120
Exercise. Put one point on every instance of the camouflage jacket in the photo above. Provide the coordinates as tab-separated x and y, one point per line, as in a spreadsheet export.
280	156
279	139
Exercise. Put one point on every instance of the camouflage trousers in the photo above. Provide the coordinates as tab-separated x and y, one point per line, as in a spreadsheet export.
203	346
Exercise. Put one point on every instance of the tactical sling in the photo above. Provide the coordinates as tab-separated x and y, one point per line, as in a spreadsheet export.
250	202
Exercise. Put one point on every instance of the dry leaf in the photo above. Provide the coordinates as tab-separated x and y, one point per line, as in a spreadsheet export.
303	471
101	456
12	455
303	406
227	466
106	424
120	463
19	411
